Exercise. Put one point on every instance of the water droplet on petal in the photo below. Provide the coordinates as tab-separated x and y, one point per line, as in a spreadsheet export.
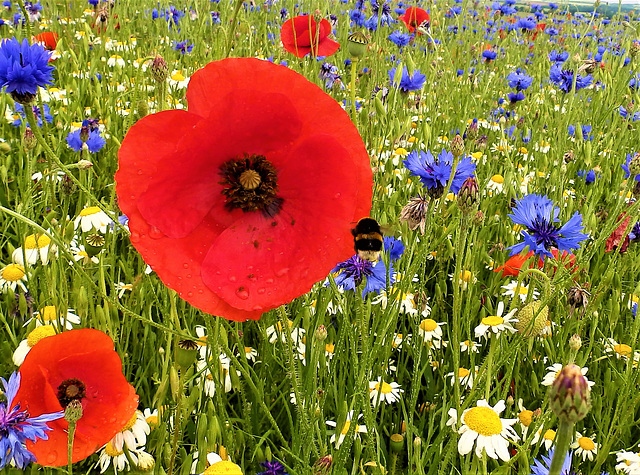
52	456
185	265
268	281
135	237
338	195
242	293
257	308
189	294
261	290
155	233
200	291
232	278
282	272
188	276
140	171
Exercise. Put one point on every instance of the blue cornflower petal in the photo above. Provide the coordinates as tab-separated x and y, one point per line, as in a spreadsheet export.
435	172
394	247
24	67
350	273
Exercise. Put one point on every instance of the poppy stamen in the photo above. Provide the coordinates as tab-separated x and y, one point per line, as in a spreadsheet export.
251	184
71	390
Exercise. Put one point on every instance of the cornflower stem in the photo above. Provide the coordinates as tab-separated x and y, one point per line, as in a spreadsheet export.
354	69
162	95
493	341
234	20
71	431
563	440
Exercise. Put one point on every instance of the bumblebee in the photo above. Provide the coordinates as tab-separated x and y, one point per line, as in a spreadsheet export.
367	239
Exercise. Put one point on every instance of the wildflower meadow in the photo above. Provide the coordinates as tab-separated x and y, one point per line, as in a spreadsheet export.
334	237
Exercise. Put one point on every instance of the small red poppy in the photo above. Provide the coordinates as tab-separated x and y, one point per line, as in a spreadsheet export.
615	240
76	365
48	39
245	201
515	263
413	17
303	35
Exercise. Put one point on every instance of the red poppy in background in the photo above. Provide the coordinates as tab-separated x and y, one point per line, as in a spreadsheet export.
615	240
48	39
245	201
414	17
515	263
303	35
76	365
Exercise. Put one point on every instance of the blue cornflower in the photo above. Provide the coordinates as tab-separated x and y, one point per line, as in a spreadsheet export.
588	175
542	466
7	4
36	111
625	114
394	247
515	97
625	167
273	468
563	78
408	82
435	172
634	83
329	74
86	138
558	57
585	129
519	80
183	46
16	427
526	24
489	55
24	68
539	215
350	273
399	38
634	235
172	15
357	17
384	12
215	17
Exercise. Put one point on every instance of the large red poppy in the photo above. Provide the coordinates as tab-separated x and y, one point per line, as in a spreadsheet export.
413	17
81	365
303	35
209	238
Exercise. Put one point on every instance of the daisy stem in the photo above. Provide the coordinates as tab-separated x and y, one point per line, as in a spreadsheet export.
181	380
563	440
70	434
354	68
492	348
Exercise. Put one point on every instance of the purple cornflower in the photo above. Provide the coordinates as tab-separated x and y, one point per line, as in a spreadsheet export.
408	82
588	175
24	68
434	172
558	57
329	74
349	274
539	215
16	427
273	467
399	38
36	111
563	78
489	55
86	137
183	46
515	97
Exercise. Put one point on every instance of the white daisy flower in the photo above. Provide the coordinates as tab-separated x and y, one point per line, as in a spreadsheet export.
464	279
250	353
32	339
482	426
465	377
382	391
470	346
92	217
629	462
151	416
133	434
512	288
585	447
553	371
50	315
177	80
338	437
12	277
117	458
548	438
116	60
619	350
297	334
223	375
496	184
496	324
431	331
36	247
121	288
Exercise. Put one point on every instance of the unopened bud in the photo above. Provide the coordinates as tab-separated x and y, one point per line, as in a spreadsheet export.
73	411
417	442
510	401
84	164
5	147
575	342
468	195
634	49
634	165
29	140
457	146
146	462
159	69
321	333
322	465
570	395
478	218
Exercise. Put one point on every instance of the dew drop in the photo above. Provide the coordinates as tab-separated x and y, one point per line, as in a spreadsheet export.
249	268
200	291
282	272
135	237
257	308
261	290
338	195
52	456
155	233
268	281
232	278
188	276
185	265
242	293
189	294
252	278
140	171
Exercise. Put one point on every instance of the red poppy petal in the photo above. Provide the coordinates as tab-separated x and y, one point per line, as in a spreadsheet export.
300	234
110	402
299	37
327	47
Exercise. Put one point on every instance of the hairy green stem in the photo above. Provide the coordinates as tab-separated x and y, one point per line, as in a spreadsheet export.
563	440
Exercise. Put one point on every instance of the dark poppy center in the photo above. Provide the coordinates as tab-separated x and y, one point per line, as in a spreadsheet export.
71	390
251	184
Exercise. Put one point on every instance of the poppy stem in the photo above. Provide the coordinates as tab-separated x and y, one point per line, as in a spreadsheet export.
70	434
232	30
354	67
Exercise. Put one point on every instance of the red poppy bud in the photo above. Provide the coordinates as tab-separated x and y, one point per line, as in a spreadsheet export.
232	242
303	35
76	365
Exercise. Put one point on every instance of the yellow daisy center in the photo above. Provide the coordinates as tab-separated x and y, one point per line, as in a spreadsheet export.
177	76
523	290
384	388
49	313
497	179
549	435
34	241
330	348
483	420
463	373
39	333
345	428
622	349
493	321
428	325
131	422
248	349
526	417
152	420
89	211
586	443
13	273
111	451
223	468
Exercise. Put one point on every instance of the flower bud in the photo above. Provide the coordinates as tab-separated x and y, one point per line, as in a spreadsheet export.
570	395
634	49
29	140
472	130
73	411
510	401
457	146
468	195
397	443
322	465
357	44
478	218
159	69
481	143
526	325
321	333
146	462
84	164
5	147
634	165
186	354
417	442
575	342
